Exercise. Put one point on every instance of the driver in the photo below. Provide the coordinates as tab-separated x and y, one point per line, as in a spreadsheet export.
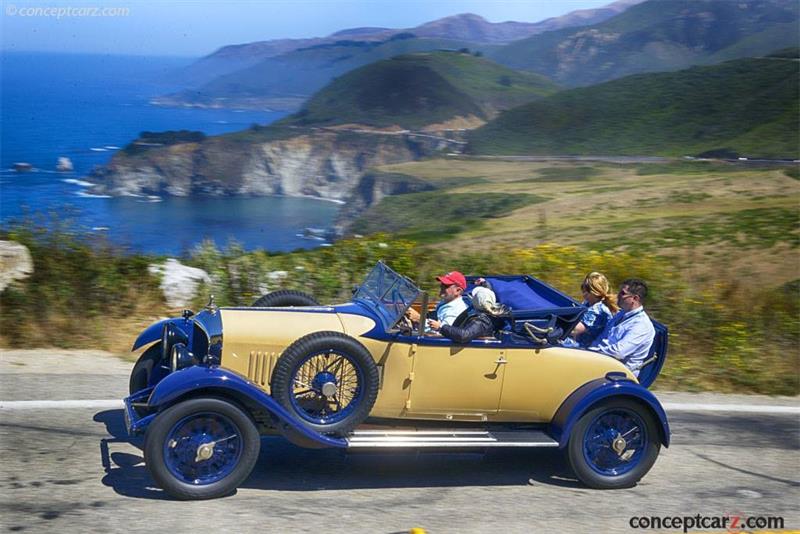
452	304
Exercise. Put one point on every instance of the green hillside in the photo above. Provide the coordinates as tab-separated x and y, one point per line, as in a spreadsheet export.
747	107
420	89
301	72
657	35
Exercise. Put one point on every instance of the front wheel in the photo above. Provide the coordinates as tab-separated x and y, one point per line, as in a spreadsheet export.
148	370
614	444
201	448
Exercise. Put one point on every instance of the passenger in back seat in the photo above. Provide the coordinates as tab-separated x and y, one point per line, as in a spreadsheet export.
601	307
630	334
483	321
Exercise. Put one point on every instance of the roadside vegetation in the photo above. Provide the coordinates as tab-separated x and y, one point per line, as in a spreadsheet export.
83	292
718	243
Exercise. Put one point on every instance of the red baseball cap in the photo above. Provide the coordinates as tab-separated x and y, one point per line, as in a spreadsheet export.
454	277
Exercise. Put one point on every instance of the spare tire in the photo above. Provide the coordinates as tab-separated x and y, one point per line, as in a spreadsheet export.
327	380
285	297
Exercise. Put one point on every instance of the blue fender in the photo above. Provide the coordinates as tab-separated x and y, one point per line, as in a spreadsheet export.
612	385
150	334
223	381
154	331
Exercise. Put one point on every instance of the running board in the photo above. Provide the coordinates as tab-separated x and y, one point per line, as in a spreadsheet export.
363	439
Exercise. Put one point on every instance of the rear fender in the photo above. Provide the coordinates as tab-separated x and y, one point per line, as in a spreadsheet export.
215	379
585	397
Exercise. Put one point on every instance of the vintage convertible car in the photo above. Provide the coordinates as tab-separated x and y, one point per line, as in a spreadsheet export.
359	376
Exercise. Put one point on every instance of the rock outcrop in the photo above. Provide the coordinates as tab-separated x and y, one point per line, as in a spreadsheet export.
372	188
64	165
15	263
320	163
179	282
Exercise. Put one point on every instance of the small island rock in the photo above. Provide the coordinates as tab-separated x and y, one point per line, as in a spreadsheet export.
64	165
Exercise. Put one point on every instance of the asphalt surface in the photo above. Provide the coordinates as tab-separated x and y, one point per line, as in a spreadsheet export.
75	470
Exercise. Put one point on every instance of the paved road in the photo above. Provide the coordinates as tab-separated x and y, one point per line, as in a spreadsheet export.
74	470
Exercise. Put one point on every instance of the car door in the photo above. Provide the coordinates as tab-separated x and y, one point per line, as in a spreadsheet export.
462	381
538	379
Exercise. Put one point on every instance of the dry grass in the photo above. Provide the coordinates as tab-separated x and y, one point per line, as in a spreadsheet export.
614	207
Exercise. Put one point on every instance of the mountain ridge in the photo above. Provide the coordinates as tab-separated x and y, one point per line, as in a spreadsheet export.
743	107
415	91
656	35
467	28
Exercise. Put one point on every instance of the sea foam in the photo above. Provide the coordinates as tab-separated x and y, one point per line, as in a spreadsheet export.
84	194
77	182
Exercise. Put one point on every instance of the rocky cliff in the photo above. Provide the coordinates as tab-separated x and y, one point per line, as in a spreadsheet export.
321	163
371	189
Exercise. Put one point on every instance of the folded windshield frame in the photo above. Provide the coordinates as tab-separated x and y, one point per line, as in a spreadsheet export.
387	293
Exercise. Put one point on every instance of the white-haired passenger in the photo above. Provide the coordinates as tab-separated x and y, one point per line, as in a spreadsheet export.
482	322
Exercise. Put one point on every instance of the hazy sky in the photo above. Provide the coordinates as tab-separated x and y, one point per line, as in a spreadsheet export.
197	27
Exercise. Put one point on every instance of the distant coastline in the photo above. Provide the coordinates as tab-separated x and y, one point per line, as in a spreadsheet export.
102	103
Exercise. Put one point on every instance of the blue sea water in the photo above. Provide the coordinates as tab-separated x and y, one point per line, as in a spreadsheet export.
85	107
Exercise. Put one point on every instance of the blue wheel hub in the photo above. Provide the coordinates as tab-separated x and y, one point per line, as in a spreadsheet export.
615	442
203	448
326	387
325	382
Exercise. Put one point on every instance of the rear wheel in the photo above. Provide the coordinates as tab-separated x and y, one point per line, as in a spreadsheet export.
328	380
614	444
201	448
285	297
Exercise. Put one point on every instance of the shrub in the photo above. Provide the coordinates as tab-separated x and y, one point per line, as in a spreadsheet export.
724	335
79	283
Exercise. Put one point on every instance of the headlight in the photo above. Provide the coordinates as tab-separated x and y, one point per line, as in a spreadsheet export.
180	357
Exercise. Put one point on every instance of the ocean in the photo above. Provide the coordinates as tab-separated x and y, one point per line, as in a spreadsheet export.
86	107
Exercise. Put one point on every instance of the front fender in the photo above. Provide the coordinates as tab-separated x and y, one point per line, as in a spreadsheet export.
153	332
150	334
223	381
612	385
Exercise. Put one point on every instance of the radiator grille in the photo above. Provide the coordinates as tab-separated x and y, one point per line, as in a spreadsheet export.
259	368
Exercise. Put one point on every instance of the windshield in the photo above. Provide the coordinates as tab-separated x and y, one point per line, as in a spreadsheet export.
387	293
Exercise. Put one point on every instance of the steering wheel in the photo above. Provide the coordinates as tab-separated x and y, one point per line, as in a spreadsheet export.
405	325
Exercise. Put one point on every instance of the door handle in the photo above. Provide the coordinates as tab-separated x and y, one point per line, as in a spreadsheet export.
500	361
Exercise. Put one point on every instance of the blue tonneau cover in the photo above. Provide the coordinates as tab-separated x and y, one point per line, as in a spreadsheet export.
533	301
527	293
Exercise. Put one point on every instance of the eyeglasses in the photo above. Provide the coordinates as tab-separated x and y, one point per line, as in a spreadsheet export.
622	294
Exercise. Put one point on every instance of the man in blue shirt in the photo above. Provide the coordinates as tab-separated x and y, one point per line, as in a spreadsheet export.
629	335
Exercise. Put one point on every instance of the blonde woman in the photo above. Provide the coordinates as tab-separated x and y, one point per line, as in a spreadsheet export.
601	304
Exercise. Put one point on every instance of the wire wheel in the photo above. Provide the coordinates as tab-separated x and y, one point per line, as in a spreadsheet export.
327	386
328	380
